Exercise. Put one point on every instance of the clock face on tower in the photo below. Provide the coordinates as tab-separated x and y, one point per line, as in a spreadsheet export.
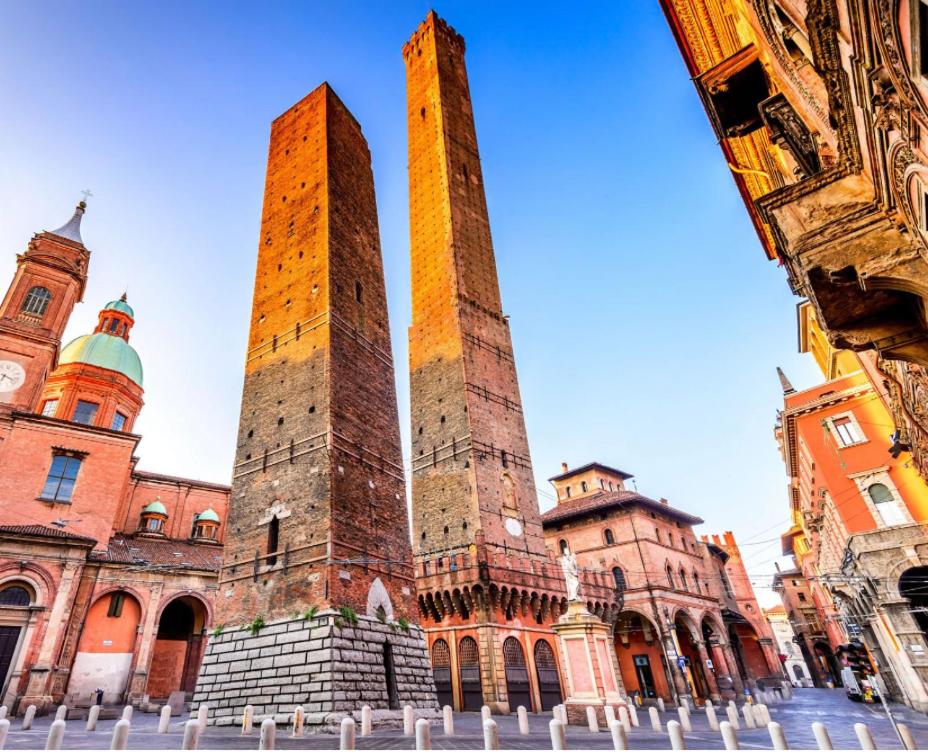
12	375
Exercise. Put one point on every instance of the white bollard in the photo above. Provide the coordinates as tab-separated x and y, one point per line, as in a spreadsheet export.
591	719
126	713
3	712
298	719
27	718
120	740
447	715
619	735
711	717
624	718
248	719
164	722
4	730
729	737
484	712
633	714
523	720
563	714
761	715
748	716
609	712
62	713
905	733
655	719
268	740
367	720
684	715
558	735
732	712
409	721
675	730
202	713
56	734
191	735
423	735
661	705
864	737
490	735
777	736
347	734
92	716
821	736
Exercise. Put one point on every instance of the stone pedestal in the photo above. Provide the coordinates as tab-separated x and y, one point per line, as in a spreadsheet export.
590	664
326	664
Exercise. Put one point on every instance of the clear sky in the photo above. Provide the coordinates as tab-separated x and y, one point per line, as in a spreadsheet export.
647	322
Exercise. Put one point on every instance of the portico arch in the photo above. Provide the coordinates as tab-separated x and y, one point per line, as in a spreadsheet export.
641	656
178	647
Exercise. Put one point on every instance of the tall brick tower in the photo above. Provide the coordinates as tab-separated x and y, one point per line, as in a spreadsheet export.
317	542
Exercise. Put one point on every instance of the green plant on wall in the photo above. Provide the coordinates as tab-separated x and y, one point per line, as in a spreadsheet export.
255	626
403	624
217	630
310	613
346	615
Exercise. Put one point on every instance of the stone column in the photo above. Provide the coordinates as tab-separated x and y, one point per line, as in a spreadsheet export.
733	672
708	673
670	652
138	680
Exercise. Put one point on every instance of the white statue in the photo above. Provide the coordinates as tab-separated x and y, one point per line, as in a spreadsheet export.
571	575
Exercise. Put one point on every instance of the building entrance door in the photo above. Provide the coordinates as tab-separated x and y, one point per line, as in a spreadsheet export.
469	668
549	682
9	636
645	677
516	675
441	670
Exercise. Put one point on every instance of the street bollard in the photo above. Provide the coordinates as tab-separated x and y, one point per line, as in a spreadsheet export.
447	714
558	734
655	719
164	723
409	721
92	715
748	716
3	712
126	713
55	734
633	714
62	713
268	734
905	733
624	718
484	712
761	715
821	736
619	735
248	719
367	720
684	715
777	736
711	717
864	737
423	735
490	735
732	712
675	730
202	713
27	718
523	720
191	735
661	705
591	720
729	736
562	714
4	730
120	740
297	722
609	712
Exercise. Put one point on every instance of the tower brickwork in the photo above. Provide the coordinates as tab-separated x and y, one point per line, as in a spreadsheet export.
318	531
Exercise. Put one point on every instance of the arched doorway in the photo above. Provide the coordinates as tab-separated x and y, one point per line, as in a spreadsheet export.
745	645
827	663
517	684
712	635
641	657
469	669
15	599
178	648
441	670
913	586
105	651
549	681
692	665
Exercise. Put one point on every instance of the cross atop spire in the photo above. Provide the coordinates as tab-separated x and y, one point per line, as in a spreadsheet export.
72	229
784	381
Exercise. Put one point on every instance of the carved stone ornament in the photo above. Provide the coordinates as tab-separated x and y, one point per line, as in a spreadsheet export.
788	131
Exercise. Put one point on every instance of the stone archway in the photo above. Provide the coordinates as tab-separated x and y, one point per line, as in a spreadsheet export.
641	657
687	638
178	648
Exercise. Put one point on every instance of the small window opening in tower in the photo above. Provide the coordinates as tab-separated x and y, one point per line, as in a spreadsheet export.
446	529
358	291
312	409
273	536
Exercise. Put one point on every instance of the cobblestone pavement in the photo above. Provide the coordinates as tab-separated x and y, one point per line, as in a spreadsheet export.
831	707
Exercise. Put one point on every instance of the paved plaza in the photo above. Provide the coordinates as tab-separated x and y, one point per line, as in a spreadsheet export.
831	707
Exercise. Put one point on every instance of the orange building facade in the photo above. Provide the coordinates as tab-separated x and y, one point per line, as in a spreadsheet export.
107	572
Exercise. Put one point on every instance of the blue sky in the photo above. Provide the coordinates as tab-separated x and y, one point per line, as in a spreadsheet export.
647	322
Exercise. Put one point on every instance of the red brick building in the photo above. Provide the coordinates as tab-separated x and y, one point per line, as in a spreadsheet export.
107	573
690	623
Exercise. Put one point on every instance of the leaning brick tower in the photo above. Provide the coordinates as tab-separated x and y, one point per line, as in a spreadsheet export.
316	603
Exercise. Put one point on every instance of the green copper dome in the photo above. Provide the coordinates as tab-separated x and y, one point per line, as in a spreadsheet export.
155	507
104	350
120	305
208	516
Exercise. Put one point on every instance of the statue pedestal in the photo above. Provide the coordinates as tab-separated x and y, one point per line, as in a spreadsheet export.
590	664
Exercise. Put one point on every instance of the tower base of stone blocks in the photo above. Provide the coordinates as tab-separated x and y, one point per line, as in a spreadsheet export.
328	664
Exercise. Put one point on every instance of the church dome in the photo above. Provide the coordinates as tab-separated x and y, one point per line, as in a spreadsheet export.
104	350
207	516
121	305
155	507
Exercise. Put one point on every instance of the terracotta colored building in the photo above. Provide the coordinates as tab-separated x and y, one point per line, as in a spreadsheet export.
107	572
689	623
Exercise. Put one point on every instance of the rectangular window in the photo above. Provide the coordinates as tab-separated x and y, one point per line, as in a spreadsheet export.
59	486
85	411
847	431
119	421
802	597
115	609
50	407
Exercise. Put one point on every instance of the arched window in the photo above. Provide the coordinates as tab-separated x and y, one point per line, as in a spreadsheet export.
563	546
619	576
670	577
602	483
683	583
15	595
273	535
657	534
568	491
696	582
886	505
583	487
36	301
607	536
610	486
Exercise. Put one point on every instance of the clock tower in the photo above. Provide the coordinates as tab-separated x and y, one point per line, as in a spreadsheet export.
49	280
